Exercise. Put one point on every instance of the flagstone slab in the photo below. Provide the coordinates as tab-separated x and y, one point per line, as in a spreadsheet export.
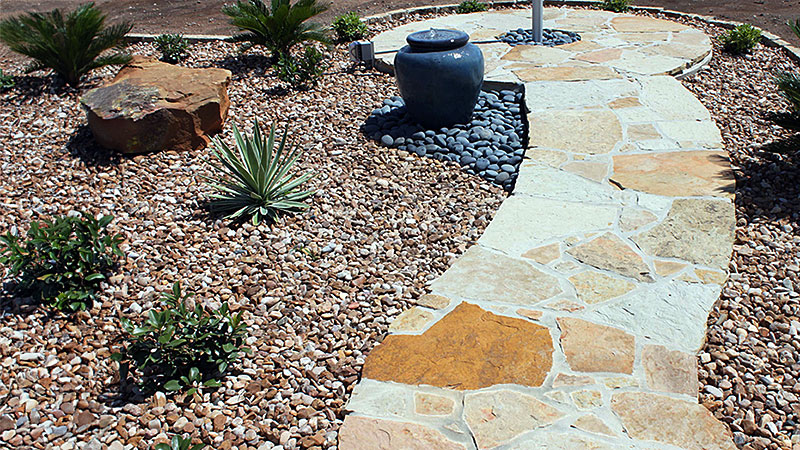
592	132
574	72
633	218
595	171
695	230
433	405
611	253
667	97
593	424
670	370
545	254
590	347
469	348
433	301
556	184
595	287
484	275
411	320
497	417
642	24
564	441
363	433
655	417
676	174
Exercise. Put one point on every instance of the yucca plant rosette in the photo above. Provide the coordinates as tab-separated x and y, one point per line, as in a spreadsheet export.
253	179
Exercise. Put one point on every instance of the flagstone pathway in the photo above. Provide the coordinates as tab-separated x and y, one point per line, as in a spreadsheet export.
573	323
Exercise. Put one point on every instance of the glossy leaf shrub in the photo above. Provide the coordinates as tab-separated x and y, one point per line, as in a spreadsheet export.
349	27
741	39
301	71
618	6
471	6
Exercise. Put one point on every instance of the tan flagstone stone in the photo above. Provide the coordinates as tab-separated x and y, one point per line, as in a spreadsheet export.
530	313
593	424
567	73
711	276
545	254
587	399
676	50
600	56
567	266
537	55
595	287
625	102
691	133
611	253
484	34
565	305
667	268
620	382
584	45
676	174
669	100
688	278
590	347
691	38
410	320
433	405
641	24
695	230
558	397
635	61
642	132
469	348
632	218
643	37
497	417
481	274
592	132
663	419
561	441
579	24
363	433
670	371
563	379
595	171
433	301
550	158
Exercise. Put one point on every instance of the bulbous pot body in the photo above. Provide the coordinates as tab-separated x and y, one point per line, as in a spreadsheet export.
440	80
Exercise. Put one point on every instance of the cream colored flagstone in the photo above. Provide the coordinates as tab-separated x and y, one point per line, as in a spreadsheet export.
639	63
555	184
669	100
562	441
537	55
411	320
633	218
642	24
545	254
591	131
699	132
593	424
363	433
595	171
670	370
595	287
610	252
591	347
573	72
432	404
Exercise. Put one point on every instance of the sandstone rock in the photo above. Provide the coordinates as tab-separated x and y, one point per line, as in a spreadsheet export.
433	301
545	254
593	132
362	433
412	319
670	371
499	416
595	287
152	106
590	347
433	405
467	349
593	424
611	253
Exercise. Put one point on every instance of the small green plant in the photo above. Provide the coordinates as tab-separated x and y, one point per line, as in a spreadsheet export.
180	443
789	84
254	180
62	261
173	47
6	81
349	27
471	6
181	347
278	27
618	6
741	39
71	46
301	72
795	26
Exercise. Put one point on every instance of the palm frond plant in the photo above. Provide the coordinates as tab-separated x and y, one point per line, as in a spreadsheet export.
278	26
71	45
253	180
789	84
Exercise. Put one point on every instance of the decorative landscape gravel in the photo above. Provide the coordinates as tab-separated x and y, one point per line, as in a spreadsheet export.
550	38
318	289
491	145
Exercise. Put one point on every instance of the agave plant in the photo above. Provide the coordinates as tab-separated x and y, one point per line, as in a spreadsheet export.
789	84
279	26
254	179
71	45
795	26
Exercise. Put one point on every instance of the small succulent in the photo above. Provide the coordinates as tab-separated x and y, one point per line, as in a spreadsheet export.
173	47
741	39
180	443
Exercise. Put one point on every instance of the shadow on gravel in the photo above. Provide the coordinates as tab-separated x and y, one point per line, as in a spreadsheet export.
14	305
83	146
245	65
27	87
786	120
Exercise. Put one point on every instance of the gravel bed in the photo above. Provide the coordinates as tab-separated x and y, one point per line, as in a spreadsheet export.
491	145
750	367
550	38
318	289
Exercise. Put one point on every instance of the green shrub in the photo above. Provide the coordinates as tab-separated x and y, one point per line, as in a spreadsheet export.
349	27
173	47
63	261
180	443
741	39
789	84
254	180
279	26
471	6
795	26
6	81
303	71
180	347
617	5
71	46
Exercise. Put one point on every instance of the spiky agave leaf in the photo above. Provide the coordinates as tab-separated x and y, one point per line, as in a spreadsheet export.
71	46
253	179
795	26
789	84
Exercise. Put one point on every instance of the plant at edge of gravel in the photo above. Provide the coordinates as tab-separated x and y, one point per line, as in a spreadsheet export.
254	180
471	6
179	443
795	26
789	84
62	261
618	6
173	47
6	81
741	39
71	46
349	27
181	347
279	26
303	71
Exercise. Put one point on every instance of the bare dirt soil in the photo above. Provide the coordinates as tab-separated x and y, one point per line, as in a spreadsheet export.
204	16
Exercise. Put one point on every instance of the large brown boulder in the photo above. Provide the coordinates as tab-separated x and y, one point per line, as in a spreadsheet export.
152	106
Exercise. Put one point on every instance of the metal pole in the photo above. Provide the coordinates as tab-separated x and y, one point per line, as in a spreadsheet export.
538	19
